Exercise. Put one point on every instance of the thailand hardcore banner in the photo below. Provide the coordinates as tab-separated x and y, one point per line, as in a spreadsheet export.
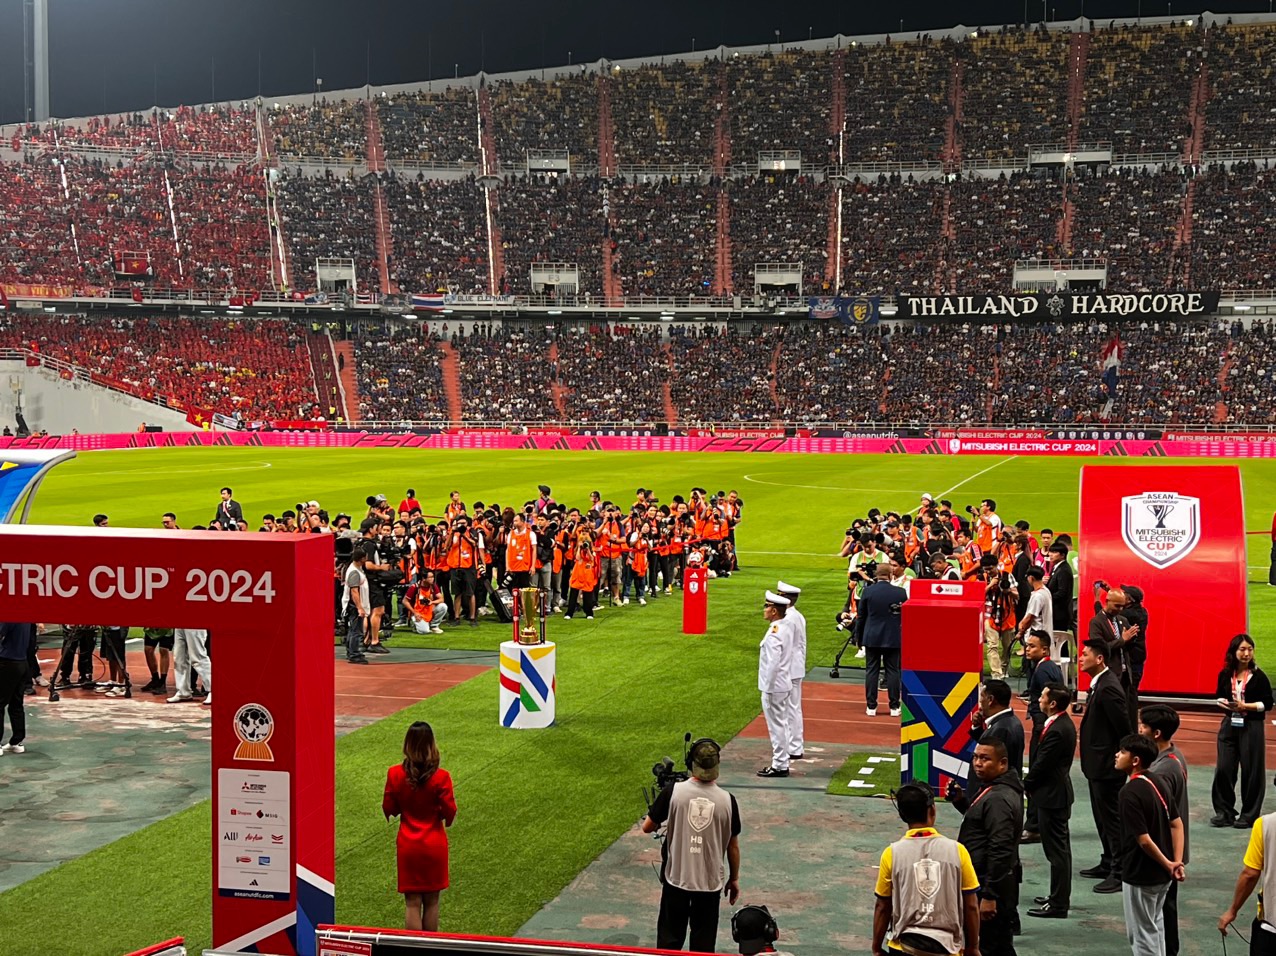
860	310
1048	306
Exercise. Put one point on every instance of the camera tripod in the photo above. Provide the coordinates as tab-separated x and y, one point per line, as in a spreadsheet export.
109	656
837	661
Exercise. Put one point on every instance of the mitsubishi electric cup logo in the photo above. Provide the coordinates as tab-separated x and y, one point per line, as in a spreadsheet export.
1161	527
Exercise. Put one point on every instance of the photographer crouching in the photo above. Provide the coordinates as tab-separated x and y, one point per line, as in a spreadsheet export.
703	827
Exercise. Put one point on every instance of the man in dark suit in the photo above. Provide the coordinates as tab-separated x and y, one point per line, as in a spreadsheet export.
1036	650
879	606
228	510
996	721
1049	787
1109	625
1060	586
1105	722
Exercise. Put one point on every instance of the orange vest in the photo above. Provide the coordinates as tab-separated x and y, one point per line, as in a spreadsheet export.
639	559
605	547
584	571
462	554
518	551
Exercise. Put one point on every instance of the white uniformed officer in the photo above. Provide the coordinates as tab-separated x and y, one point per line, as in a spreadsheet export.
775	681
797	669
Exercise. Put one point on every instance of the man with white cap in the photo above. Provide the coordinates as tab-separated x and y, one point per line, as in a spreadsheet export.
775	681
797	669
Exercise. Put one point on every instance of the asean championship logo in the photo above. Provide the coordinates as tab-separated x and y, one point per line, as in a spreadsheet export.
1161	527
254	727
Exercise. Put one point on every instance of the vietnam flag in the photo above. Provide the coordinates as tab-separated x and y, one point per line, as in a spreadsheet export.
199	417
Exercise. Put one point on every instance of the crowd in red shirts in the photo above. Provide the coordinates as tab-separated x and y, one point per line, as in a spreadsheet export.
259	369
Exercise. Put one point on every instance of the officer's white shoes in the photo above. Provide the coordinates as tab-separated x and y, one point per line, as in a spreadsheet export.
871	711
859	655
894	711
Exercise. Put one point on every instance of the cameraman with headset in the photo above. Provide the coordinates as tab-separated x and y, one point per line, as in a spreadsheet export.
703	828
938	913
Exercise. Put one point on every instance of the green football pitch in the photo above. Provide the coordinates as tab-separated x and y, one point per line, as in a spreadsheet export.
536	808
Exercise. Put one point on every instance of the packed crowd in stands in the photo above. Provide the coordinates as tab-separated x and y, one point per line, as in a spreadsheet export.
1131	218
123	207
1016	92
1233	237
35	226
615	376
808	372
260	369
1139	85
723	374
430	127
222	226
552	219
995	221
897	100
217	128
889	233
665	233
439	235
507	374
778	218
781	101
558	114
666	114
329	216
400	375
1241	112
199	225
337	130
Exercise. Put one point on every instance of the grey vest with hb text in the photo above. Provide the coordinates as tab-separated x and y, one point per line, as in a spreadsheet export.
699	830
926	895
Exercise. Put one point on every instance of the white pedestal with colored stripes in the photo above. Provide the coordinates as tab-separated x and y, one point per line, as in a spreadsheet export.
529	688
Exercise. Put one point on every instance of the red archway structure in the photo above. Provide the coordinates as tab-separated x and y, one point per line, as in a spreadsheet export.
265	600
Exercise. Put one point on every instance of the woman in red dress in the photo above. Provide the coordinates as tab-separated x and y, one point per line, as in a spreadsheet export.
420	795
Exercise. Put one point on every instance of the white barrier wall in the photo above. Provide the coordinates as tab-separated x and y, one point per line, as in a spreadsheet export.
50	402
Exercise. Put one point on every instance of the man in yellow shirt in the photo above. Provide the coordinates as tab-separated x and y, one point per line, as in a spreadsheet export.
927	890
1254	874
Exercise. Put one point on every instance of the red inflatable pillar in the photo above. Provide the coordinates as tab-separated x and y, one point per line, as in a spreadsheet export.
695	600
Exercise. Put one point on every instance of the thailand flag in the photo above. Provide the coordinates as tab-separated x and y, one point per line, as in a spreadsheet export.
1110	362
428	303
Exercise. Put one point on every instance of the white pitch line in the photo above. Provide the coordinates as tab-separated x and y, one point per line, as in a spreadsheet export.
966	481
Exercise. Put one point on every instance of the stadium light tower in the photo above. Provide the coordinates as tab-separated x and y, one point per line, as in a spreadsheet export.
35	66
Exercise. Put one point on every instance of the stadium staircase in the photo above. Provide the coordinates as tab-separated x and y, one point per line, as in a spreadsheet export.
666	387
349	379
376	164
384	243
951	156
489	162
722	282
376	148
495	244
450	365
1181	258
947	234
722	270
323	368
1078	54
557	389
837	117
773	369
606	130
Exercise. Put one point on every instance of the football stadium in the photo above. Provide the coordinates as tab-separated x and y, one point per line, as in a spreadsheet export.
797	496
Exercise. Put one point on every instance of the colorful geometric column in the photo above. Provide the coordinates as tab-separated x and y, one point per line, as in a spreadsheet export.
529	687
934	738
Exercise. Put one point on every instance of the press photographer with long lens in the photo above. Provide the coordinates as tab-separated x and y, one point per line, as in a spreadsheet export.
702	829
466	560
